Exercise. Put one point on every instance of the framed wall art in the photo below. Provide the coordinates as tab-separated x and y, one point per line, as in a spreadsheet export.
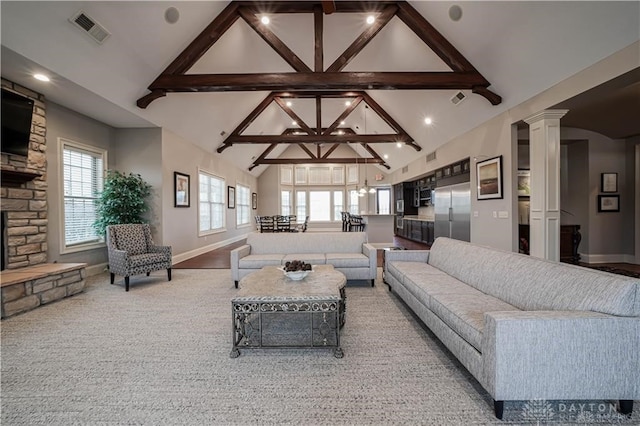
181	189
608	182
608	203
231	197
524	183
489	175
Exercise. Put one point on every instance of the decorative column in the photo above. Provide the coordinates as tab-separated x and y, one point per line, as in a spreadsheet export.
544	145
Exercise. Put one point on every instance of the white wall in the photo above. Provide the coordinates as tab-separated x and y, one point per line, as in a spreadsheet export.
67	124
179	224
139	151
496	137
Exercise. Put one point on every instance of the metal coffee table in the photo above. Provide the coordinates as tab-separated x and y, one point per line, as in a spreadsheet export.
272	311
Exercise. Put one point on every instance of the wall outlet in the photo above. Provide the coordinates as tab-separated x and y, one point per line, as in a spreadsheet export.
495	214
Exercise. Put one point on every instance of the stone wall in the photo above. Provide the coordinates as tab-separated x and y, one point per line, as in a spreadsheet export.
25	204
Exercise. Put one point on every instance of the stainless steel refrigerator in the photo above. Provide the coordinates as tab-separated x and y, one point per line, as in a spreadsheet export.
452	208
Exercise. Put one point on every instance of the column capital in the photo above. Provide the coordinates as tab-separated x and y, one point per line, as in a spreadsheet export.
546	114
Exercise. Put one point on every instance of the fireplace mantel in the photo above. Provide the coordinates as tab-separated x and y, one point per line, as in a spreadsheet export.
15	178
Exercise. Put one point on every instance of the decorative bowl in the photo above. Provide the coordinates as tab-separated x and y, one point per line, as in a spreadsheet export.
295	275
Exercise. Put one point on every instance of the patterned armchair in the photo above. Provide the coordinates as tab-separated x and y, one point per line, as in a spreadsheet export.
131	252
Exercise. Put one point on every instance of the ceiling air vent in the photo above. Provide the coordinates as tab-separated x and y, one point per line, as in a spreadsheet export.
405	169
431	156
90	27
458	97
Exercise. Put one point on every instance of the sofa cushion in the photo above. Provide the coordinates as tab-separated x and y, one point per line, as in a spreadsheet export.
147	259
464	312
422	286
536	284
347	260
312	258
257	261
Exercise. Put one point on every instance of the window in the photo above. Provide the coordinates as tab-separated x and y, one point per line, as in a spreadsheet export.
301	204
211	203
353	201
383	200
319	206
243	205
338	205
82	177
285	203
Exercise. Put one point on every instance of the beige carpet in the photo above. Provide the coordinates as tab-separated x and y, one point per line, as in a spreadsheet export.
160	355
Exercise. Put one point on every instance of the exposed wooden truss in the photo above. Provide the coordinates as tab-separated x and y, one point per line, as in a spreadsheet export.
316	134
319	82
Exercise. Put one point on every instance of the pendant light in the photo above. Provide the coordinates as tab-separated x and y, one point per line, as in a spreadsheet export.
366	188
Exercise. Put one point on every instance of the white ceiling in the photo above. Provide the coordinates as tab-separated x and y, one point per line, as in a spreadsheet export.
522	48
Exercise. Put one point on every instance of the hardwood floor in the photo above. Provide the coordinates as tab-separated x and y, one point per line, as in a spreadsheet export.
220	258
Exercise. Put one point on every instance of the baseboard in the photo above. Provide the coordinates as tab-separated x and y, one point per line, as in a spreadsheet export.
96	269
607	258
201	250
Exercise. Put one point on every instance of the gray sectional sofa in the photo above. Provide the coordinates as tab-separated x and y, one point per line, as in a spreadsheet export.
348	252
526	328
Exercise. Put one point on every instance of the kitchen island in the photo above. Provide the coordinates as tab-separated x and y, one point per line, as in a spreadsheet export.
379	227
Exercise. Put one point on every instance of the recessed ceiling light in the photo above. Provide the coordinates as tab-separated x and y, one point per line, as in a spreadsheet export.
289	103
294	123
340	132
371	19
386	156
399	144
41	77
428	121
342	123
265	20
455	13
347	103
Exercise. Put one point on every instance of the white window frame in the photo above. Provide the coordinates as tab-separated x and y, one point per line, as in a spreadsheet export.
242	204
92	150
223	203
307	207
288	207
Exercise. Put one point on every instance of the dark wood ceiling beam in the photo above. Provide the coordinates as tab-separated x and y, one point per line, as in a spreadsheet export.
345	114
318	115
296	139
272	40
363	39
318	81
432	38
294	116
330	150
328	7
494	98
318	161
246	122
144	101
318	45
308	6
204	40
307	150
263	155
390	121
375	156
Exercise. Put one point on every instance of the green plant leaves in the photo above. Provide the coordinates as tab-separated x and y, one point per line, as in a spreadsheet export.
122	200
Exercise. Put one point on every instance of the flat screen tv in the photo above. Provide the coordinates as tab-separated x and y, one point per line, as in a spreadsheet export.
16	123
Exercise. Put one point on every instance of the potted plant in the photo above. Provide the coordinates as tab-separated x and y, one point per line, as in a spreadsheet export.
122	200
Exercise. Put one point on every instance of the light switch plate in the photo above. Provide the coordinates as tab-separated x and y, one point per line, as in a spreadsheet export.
503	214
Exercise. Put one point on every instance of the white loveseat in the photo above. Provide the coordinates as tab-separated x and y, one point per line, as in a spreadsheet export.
348	252
526	328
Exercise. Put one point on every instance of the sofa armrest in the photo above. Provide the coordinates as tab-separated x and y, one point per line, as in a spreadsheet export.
560	355
372	253
236	255
405	256
166	250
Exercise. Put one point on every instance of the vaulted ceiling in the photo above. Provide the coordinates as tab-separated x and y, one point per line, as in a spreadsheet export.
235	87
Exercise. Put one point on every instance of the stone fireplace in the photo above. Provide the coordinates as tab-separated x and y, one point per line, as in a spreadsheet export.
24	193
